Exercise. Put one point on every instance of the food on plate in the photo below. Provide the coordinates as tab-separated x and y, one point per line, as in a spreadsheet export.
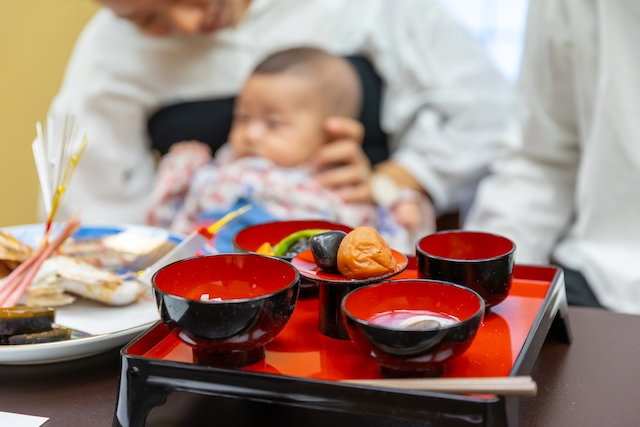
127	249
324	247
24	320
12	253
61	274
363	254
292	244
15	284
133	243
57	333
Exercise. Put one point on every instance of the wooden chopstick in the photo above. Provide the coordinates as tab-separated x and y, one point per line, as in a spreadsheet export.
519	386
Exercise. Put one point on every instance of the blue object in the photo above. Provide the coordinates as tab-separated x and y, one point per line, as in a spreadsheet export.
224	238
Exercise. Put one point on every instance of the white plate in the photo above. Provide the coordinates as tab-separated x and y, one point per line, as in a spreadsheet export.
110	326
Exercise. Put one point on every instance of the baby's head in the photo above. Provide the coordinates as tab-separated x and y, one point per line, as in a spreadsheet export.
281	111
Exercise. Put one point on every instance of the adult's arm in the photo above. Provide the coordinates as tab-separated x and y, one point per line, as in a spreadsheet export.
530	195
114	177
445	105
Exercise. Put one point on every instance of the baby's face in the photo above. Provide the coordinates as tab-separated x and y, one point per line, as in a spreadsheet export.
279	117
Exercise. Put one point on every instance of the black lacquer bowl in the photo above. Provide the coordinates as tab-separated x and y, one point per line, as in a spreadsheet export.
386	322
480	261
226	306
251	238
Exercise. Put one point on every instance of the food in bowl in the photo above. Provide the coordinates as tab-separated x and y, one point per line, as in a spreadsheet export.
412	328
250	239
291	245
363	254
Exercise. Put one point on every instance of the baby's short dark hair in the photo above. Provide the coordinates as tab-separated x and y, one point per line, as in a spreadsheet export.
338	79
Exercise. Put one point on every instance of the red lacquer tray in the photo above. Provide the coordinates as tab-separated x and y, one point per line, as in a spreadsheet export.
507	344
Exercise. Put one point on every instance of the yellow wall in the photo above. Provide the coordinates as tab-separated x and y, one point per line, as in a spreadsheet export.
36	38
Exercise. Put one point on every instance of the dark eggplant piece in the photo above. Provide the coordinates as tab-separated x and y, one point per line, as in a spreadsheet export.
324	248
56	334
24	320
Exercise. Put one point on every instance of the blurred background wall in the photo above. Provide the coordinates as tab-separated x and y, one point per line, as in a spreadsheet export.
36	38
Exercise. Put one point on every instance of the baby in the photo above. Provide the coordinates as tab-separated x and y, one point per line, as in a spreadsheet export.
277	127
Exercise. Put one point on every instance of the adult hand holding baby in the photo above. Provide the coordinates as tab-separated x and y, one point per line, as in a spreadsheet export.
341	163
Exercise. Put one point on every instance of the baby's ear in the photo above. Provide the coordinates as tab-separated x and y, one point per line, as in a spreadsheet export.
343	127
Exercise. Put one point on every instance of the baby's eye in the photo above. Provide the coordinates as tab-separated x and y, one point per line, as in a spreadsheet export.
274	124
241	118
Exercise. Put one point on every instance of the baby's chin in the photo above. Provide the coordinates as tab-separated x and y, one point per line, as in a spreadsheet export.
274	162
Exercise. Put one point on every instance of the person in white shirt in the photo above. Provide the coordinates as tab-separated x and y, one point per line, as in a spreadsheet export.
566	187
141	66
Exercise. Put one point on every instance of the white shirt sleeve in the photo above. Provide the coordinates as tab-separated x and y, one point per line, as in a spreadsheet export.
445	104
529	196
115	176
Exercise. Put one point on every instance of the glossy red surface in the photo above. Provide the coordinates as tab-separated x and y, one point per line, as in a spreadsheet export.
301	350
438	298
252	237
465	245
227	277
307	267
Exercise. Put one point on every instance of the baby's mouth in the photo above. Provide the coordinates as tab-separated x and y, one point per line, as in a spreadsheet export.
215	22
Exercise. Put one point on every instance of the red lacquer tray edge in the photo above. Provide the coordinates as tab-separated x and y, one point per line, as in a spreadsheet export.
321	394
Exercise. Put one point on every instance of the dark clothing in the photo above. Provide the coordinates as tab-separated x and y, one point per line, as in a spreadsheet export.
578	290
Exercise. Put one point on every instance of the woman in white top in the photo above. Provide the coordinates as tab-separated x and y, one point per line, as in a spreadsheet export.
441	109
567	187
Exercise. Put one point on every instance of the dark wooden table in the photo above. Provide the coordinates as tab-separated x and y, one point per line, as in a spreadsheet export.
593	382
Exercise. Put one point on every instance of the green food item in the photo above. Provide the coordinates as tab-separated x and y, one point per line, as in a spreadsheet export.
285	244
24	320
56	334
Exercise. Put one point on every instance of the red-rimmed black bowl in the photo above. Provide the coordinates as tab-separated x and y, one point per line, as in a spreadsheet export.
226	306
374	317
251	238
480	261
333	288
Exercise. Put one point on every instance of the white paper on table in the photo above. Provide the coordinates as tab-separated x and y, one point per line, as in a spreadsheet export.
19	420
96	318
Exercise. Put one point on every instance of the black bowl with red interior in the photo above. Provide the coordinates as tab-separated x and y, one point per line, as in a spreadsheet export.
251	238
226	306
412	328
480	261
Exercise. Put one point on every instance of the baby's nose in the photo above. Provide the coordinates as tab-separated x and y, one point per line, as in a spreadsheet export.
255	131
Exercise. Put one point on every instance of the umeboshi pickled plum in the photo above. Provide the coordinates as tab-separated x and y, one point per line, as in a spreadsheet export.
363	254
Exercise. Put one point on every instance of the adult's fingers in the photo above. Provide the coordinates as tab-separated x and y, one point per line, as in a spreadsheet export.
357	193
353	174
340	152
352	182
340	127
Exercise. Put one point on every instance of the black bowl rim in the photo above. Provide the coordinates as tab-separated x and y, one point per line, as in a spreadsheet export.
480	311
228	301
245	251
506	254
